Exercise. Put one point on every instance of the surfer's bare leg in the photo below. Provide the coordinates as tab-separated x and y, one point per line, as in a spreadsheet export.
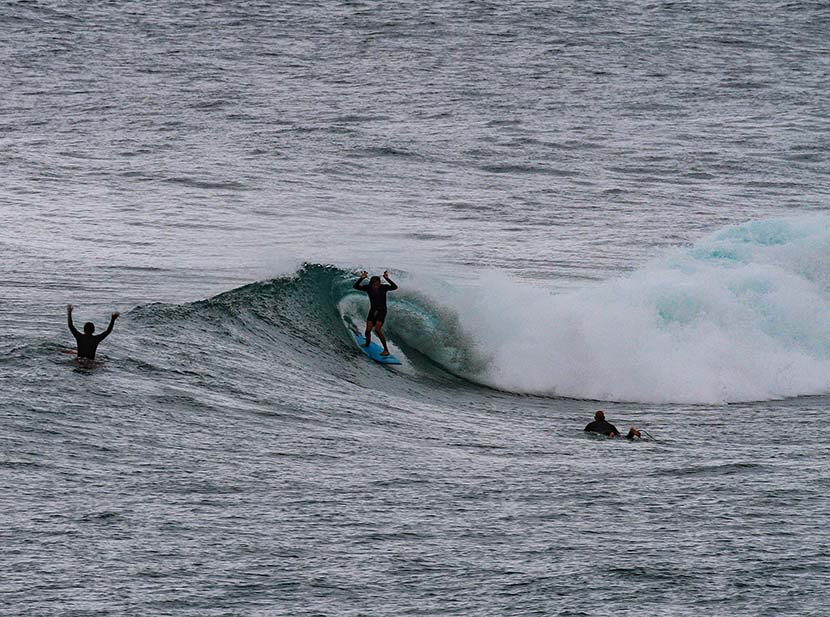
379	330
368	334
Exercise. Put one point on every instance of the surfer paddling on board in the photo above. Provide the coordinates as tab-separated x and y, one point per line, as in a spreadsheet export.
88	341
377	309
603	427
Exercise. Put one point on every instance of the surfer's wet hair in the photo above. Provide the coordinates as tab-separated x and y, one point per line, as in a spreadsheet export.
374	279
89	327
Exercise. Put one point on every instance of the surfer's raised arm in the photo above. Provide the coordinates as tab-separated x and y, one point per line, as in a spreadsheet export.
72	327
392	286
107	332
362	278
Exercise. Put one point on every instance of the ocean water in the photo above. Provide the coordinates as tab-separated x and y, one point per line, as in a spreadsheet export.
587	205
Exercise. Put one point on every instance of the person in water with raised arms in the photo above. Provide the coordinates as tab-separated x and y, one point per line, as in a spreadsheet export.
88	341
603	427
377	309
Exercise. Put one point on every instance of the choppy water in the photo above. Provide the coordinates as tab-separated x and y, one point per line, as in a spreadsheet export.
586	205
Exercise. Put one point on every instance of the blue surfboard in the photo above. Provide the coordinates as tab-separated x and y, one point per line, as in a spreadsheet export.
374	350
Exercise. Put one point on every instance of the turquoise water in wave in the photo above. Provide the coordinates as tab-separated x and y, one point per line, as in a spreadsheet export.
586	206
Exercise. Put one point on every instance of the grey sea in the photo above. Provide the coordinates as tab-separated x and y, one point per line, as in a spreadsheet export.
586	205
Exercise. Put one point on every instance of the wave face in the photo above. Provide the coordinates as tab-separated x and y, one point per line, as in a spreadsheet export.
299	327
743	315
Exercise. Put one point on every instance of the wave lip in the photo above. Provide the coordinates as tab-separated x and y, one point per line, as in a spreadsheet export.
743	315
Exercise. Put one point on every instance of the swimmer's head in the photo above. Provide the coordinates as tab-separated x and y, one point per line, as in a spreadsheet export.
374	282
599	415
89	327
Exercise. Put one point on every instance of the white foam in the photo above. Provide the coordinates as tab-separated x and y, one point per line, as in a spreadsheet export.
742	315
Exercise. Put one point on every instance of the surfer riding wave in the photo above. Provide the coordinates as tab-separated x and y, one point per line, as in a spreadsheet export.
377	309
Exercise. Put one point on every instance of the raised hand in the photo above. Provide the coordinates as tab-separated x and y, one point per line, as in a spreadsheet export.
386	274
69	308
364	274
115	315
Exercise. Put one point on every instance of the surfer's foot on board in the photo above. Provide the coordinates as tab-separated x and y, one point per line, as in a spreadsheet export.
385	352
367	344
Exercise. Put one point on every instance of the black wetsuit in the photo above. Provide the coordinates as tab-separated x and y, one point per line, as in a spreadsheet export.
377	299
603	427
88	343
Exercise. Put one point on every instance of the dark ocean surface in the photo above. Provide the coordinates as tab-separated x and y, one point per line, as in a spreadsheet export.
587	205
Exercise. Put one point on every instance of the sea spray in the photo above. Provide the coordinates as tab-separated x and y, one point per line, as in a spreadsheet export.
742	315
